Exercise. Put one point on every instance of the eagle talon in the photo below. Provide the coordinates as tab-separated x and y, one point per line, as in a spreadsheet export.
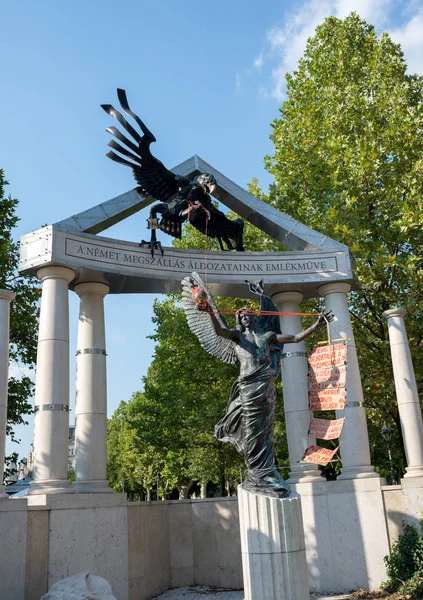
154	244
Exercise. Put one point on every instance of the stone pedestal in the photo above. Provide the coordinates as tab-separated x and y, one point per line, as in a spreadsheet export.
91	392
406	389
6	296
273	550
355	450
51	421
294	368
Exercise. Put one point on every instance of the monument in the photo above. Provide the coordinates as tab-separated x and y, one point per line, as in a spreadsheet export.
269	513
76	522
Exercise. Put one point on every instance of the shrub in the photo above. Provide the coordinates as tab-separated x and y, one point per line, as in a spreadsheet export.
405	564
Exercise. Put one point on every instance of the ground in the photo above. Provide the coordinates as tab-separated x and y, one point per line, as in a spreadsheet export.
202	592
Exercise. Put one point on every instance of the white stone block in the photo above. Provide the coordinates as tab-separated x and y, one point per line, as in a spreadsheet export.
13	534
273	549
88	532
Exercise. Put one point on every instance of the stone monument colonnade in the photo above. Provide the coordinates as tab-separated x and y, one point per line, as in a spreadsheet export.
70	255
346	534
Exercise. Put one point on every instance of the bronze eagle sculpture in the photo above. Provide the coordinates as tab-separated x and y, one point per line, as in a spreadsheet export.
180	199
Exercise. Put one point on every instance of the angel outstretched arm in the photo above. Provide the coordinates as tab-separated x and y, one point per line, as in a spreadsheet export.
286	338
225	332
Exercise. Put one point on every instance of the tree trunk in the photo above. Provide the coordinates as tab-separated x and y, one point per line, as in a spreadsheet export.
222	486
148	495
203	490
184	490
401	439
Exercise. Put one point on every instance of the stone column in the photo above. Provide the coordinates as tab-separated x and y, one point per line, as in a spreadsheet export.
91	392
274	563
6	296
405	385
355	450
295	391
51	421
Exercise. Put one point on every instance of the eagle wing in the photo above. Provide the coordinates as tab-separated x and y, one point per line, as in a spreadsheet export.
150	173
201	324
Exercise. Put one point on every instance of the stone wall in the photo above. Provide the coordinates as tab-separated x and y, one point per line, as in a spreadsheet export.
144	548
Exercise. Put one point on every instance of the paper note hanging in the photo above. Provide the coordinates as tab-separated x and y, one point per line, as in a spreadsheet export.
327	377
329	399
319	455
325	357
326	429
323	378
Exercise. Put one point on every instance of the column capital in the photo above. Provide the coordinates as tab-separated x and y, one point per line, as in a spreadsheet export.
91	287
7	295
55	273
394	312
289	296
333	288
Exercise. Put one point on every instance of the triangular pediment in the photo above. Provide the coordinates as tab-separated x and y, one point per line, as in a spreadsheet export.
293	234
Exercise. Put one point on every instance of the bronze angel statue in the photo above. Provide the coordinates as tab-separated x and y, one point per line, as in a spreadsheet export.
181	199
256	344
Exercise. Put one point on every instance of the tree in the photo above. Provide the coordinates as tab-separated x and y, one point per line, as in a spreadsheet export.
23	313
348	162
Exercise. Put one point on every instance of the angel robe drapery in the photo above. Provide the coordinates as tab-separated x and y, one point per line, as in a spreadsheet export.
249	420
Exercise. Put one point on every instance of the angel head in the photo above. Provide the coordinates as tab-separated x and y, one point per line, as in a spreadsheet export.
208	182
244	319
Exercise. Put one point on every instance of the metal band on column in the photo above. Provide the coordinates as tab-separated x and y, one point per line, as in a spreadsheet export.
39	407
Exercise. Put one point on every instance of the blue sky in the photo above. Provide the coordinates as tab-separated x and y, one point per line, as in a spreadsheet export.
207	78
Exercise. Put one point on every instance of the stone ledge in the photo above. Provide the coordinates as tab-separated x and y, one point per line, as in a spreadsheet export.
75	501
8	505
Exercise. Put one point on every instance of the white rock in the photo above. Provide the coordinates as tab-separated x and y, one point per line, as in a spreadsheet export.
81	586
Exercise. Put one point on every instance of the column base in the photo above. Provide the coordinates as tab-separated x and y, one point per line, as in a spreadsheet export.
358	472
414	472
3	495
50	486
95	486
273	550
304	473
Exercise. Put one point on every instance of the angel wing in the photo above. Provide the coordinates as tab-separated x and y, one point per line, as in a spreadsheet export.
151	175
201	324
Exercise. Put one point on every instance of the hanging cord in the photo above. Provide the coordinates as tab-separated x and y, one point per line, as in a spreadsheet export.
201	207
258	312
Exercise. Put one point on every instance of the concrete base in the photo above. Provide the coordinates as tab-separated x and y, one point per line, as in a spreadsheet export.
414	472
304	475
365	472
346	534
51	486
412	490
92	487
273	550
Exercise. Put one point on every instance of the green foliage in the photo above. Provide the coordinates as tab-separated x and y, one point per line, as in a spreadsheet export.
404	566
71	474
348	162
23	313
